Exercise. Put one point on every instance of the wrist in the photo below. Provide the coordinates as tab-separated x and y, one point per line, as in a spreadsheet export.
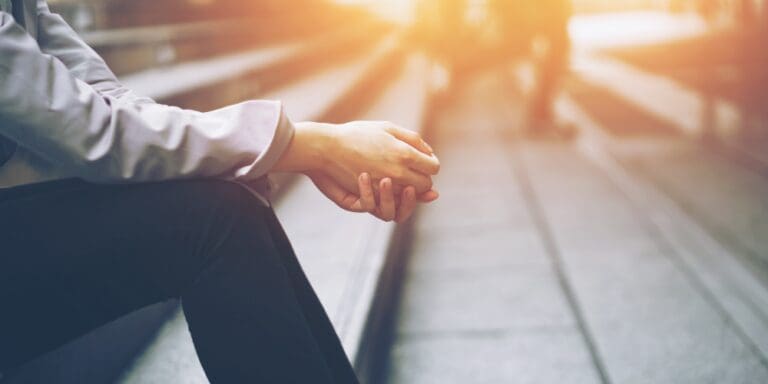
308	150
318	141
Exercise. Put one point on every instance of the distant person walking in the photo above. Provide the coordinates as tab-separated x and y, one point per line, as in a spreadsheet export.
551	18
443	26
524	25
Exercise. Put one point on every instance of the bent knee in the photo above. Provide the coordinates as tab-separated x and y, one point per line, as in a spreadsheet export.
224	190
210	198
212	218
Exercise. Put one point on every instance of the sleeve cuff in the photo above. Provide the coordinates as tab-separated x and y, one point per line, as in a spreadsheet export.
283	135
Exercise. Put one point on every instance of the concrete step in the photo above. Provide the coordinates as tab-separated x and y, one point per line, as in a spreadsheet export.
112	14
130	50
725	294
167	37
85	360
727	128
211	83
344	255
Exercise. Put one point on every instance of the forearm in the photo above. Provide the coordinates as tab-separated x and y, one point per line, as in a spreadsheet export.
104	138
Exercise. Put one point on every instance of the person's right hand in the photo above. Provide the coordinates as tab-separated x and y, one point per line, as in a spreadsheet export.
341	153
381	149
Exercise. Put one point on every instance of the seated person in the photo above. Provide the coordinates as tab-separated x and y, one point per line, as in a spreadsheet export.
112	202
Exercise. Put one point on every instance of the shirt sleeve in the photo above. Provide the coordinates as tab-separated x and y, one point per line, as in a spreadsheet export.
57	38
59	100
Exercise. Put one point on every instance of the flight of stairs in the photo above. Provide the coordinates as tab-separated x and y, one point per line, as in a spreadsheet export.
324	62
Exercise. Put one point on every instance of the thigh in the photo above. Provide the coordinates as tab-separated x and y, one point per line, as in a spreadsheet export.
75	255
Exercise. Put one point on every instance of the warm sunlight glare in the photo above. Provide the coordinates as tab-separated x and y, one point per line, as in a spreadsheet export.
398	10
604	30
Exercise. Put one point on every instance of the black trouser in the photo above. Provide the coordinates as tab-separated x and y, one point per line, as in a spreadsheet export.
86	254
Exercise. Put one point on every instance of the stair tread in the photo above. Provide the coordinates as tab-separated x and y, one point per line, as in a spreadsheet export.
164	82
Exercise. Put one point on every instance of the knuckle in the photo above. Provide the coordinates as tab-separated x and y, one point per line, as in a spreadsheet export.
407	158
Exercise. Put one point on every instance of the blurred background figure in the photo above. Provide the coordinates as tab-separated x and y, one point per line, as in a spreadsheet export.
551	45
451	33
443	32
469	36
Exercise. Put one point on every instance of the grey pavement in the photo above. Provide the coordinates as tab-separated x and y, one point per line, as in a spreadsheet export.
481	302
537	266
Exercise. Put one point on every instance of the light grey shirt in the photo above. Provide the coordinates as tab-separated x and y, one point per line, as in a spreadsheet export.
71	117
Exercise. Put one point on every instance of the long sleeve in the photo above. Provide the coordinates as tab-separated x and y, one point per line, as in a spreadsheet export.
58	39
60	101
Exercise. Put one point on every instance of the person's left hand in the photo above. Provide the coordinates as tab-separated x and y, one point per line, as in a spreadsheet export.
387	209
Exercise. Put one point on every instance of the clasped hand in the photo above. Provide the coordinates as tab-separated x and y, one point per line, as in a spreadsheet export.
365	166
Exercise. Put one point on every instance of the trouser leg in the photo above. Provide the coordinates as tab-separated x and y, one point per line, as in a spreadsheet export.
75	256
320	324
266	328
551	71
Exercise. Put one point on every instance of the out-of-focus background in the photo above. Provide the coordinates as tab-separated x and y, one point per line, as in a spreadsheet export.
604	186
